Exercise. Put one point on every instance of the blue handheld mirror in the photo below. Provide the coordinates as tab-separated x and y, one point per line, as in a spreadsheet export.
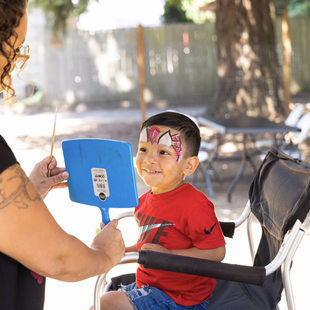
101	174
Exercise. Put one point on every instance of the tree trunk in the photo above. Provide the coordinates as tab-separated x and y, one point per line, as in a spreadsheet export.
248	74
287	48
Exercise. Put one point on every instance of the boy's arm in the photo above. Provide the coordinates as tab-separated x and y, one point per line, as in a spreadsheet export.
216	254
132	248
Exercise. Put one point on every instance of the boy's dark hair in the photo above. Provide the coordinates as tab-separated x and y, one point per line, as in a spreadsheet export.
180	122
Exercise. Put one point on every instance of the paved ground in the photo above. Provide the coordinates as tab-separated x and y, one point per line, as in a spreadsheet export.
30	136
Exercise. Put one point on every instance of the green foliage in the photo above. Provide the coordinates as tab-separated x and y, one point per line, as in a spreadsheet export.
194	12
299	8
180	11
58	11
174	12
294	7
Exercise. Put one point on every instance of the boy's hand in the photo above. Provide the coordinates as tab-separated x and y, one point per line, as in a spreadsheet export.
154	247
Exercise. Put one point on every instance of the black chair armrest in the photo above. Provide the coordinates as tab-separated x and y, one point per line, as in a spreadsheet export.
202	267
228	229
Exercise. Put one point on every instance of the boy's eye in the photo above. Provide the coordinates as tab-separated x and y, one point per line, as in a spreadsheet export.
162	152
142	149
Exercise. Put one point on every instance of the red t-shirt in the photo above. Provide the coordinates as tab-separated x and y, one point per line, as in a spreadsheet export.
180	219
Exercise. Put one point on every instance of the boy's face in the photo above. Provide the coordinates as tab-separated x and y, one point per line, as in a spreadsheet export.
161	159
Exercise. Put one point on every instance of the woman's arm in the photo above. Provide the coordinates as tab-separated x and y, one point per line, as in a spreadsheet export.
216	254
30	235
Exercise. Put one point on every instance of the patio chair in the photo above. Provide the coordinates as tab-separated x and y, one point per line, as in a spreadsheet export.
292	148
279	198
291	120
294	116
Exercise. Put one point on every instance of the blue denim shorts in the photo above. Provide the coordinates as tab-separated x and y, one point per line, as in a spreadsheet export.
151	298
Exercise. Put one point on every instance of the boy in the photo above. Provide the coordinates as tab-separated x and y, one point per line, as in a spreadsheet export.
173	217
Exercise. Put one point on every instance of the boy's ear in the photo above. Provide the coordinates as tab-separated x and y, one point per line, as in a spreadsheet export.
191	165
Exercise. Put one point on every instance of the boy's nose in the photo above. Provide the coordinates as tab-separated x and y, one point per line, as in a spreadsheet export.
151	157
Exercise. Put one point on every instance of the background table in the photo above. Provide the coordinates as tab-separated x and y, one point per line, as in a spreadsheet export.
246	126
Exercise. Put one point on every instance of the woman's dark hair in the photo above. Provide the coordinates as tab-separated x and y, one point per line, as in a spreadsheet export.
11	12
180	122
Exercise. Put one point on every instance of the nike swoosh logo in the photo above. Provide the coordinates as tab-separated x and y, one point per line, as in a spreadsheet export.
210	230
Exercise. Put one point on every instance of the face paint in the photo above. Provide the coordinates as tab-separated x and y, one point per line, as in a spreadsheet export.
143	136
177	145
165	139
152	135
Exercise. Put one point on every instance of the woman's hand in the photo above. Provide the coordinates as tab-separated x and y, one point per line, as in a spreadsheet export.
42	182
110	241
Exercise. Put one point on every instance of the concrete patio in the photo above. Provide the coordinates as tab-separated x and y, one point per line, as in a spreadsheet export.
30	138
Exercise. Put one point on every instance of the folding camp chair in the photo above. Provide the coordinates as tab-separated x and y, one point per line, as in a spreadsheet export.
279	198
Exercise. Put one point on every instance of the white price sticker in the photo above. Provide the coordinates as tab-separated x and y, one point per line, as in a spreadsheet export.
100	183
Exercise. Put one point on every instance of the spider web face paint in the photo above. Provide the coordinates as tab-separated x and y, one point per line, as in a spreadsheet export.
152	135
165	139
177	145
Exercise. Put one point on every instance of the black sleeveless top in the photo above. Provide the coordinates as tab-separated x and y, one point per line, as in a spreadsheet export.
20	288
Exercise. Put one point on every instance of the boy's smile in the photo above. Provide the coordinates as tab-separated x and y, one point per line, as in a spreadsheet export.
160	158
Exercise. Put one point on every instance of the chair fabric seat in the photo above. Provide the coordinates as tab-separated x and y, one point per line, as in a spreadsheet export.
239	296
277	201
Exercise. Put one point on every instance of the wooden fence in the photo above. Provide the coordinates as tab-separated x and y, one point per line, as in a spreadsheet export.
180	64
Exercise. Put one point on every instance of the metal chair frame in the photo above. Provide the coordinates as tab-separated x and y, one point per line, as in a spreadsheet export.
283	259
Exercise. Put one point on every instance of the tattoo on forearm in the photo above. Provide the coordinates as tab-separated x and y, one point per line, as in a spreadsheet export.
16	189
